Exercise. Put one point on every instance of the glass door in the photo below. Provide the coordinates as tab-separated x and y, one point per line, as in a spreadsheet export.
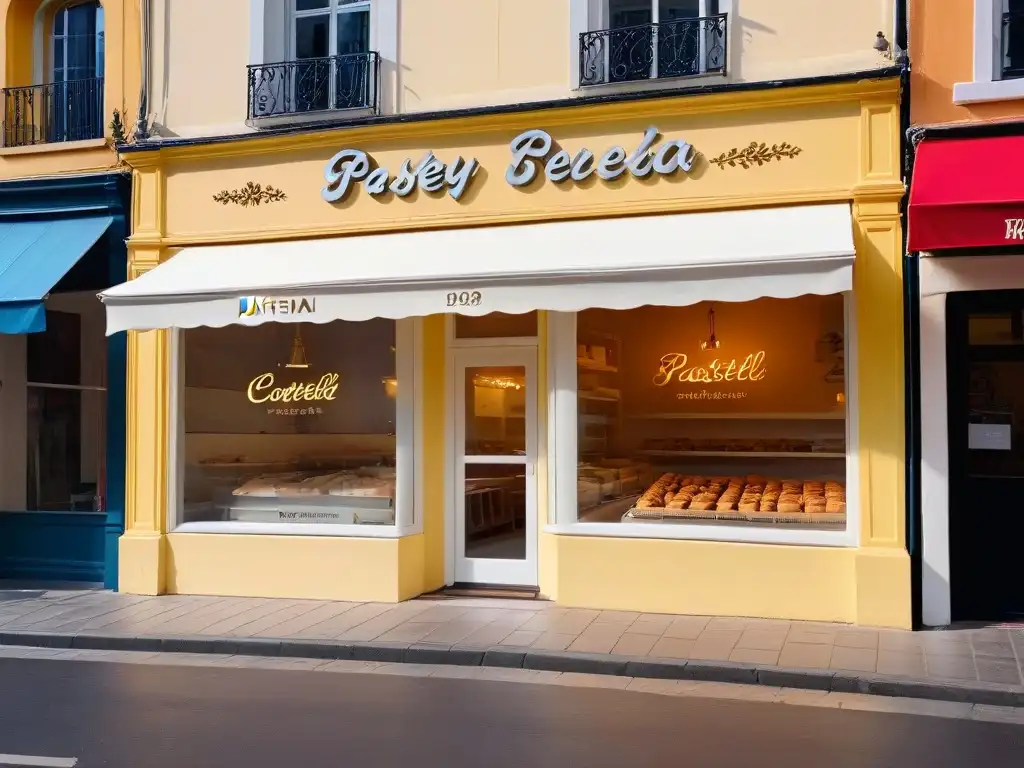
495	466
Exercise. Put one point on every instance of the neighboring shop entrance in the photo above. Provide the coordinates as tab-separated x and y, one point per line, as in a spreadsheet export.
495	466
985	357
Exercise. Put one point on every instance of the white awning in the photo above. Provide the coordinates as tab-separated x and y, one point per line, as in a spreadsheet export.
564	266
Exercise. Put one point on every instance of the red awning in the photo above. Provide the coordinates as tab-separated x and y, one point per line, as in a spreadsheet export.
967	193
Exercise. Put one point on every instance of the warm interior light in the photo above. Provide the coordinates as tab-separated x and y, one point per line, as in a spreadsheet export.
712	341
298	356
496	382
841	399
390	386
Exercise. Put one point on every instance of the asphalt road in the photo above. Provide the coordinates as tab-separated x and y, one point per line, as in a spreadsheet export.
132	715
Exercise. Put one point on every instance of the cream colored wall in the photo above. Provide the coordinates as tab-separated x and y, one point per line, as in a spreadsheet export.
200	53
469	53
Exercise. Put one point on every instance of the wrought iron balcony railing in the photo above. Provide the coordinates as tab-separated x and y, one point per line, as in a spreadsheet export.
679	48
314	85
71	110
1013	45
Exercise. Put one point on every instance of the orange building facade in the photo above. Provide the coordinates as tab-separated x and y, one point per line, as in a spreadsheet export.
966	278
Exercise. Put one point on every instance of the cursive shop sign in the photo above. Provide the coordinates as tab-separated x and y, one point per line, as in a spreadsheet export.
530	153
264	389
677	367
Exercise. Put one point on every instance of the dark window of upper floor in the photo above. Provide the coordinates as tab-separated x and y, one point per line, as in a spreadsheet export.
68	104
1013	39
653	40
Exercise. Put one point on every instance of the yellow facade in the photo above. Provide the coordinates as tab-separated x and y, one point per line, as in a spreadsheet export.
848	134
24	53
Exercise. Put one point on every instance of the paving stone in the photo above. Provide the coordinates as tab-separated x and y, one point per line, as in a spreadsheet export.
672	648
805	655
753	656
905	664
715	644
951	667
554	641
651	624
998	671
687	627
521	638
812	636
762	640
857	638
998	650
631	644
854	659
598	638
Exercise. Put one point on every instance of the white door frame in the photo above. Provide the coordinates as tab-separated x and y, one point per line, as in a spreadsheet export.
938	278
491	571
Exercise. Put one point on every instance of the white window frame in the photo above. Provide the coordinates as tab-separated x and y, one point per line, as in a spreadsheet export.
333	10
588	15
385	18
408	460
988	59
563	450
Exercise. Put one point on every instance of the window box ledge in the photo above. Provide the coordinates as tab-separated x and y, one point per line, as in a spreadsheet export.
56	146
988	91
308	118
658	84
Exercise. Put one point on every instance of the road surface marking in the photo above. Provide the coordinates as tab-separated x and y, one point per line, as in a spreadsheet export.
31	761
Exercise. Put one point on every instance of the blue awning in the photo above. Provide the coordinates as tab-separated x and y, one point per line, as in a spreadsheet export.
34	256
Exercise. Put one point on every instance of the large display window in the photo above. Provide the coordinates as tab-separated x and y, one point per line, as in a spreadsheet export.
728	415
298	427
53	410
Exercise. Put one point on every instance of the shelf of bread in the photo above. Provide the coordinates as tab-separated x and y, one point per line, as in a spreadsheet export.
765	448
750	454
752	498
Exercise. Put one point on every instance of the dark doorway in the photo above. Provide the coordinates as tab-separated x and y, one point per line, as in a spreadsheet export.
985	375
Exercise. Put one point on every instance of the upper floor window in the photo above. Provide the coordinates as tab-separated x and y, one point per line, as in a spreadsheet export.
68	105
652	39
1012	39
328	66
998	53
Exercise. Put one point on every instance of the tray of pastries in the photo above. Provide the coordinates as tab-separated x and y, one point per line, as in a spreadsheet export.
751	498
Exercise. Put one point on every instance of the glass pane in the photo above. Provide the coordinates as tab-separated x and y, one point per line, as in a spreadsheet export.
311	5
496	411
627	13
291	423
495	511
678	9
995	419
708	414
353	32
81	57
312	35
496	325
997	329
54	356
55	451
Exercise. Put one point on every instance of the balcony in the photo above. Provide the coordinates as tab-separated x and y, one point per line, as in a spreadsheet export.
310	87
1013	45
50	113
670	49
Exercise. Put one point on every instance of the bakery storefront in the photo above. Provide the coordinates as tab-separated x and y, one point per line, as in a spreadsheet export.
615	354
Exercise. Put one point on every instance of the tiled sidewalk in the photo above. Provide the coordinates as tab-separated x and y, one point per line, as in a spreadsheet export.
990	655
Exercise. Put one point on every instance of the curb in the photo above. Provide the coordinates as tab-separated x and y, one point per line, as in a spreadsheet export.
970	692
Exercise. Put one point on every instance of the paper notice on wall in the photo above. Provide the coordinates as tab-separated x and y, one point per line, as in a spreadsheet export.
989	437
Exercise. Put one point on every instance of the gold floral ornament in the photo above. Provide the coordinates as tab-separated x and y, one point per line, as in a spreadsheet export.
755	154
250	194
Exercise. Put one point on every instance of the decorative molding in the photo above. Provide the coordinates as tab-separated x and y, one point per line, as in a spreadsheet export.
755	154
469	126
251	194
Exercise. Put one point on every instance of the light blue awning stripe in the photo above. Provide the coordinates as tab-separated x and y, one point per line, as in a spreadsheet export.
34	256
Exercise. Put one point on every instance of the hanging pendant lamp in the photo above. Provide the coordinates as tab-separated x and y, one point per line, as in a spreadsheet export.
711	342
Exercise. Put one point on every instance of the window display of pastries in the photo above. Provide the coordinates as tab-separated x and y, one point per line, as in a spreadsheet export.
370	481
679	495
746	445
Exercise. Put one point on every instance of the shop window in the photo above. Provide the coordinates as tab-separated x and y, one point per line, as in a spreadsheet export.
65	421
496	325
728	413
291	423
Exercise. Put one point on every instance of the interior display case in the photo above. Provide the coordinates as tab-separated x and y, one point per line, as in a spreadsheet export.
290	424
713	413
